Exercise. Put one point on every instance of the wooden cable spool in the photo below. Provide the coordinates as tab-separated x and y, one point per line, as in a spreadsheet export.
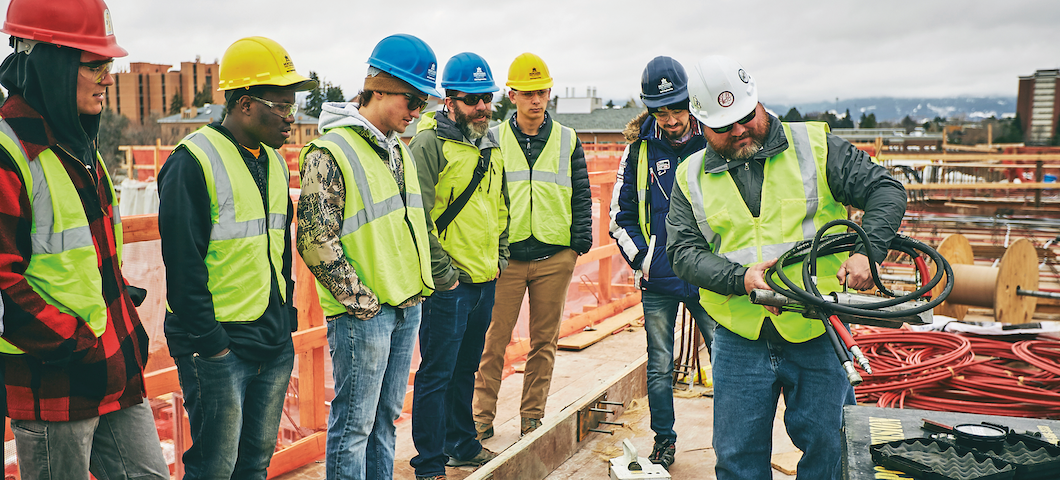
989	287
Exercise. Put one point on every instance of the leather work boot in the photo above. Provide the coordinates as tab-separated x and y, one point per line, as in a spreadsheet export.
483	457
663	453
527	425
483	430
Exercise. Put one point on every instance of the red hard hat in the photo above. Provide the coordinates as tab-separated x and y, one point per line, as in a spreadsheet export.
81	24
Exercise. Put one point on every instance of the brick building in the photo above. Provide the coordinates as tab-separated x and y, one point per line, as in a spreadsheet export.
1038	106
147	89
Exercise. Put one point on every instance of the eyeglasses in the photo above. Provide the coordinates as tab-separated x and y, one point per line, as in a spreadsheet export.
472	100
415	102
97	70
283	110
663	116
742	121
533	93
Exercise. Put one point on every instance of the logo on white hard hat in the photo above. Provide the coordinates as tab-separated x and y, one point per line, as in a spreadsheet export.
665	85
726	99
432	72
694	101
744	77
108	26
479	75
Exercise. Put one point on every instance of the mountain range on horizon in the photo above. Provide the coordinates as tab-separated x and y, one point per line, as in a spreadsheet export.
890	109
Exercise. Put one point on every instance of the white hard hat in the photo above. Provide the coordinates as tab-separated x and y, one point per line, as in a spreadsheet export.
720	91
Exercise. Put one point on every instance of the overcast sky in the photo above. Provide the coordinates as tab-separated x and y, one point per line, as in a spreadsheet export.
798	51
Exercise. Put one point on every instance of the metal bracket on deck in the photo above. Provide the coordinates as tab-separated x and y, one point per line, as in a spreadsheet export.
592	416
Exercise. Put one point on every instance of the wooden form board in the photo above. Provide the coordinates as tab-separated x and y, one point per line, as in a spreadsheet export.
581	340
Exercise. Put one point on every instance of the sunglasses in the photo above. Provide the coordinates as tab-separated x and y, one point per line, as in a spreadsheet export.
742	121
472	100
283	110
415	103
97	70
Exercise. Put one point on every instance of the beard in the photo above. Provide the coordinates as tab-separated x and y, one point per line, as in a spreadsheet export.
472	126
727	146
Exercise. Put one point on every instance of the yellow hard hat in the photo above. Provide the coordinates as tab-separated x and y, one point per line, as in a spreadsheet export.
259	61
528	73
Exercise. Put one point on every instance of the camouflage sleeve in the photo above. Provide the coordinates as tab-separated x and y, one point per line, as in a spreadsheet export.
320	210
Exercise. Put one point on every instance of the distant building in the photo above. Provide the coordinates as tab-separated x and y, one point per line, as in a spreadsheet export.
175	127
147	89
1038	106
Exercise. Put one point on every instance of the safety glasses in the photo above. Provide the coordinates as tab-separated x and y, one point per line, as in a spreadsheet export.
97	70
742	121
528	94
415	103
472	100
283	110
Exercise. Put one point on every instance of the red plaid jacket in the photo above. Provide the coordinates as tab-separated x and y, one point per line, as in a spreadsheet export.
67	373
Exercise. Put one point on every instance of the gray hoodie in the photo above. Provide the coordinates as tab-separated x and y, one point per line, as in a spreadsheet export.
343	114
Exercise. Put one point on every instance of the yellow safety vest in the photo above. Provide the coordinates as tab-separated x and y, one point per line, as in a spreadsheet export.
541	196
246	243
384	236
64	266
472	238
796	202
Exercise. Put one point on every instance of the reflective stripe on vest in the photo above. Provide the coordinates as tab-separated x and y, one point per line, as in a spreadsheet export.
246	242
64	266
789	213
540	196
642	191
378	236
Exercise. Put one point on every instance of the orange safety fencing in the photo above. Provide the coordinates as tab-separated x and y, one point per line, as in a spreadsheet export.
601	287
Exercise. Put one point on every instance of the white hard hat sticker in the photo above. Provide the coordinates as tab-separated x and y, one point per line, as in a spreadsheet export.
108	26
726	99
665	86
744	77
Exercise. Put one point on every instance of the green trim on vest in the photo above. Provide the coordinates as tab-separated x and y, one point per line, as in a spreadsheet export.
245	243
473	237
542	193
376	235
796	201
64	266
643	214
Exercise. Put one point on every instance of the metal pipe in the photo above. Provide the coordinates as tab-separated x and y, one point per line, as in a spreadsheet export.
1037	293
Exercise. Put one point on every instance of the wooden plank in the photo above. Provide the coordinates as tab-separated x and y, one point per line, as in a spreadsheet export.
577	323
982	186
161	382
579	341
600	253
786	462
306	340
298	454
139	228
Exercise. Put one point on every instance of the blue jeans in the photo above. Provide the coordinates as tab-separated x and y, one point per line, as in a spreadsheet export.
660	316
118	445
452	334
234	408
370	362
749	377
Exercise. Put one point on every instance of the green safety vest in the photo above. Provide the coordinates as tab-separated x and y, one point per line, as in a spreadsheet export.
796	202
472	238
542	194
64	266
642	193
383	236
246	244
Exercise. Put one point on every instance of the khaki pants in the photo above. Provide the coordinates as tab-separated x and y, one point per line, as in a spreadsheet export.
547	281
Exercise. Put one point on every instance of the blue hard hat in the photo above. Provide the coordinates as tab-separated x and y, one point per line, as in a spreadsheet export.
663	83
410	59
468	73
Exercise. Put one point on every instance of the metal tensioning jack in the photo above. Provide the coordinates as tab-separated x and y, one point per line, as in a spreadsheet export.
838	308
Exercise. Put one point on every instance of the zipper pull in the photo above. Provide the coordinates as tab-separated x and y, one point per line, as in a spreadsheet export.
746	166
